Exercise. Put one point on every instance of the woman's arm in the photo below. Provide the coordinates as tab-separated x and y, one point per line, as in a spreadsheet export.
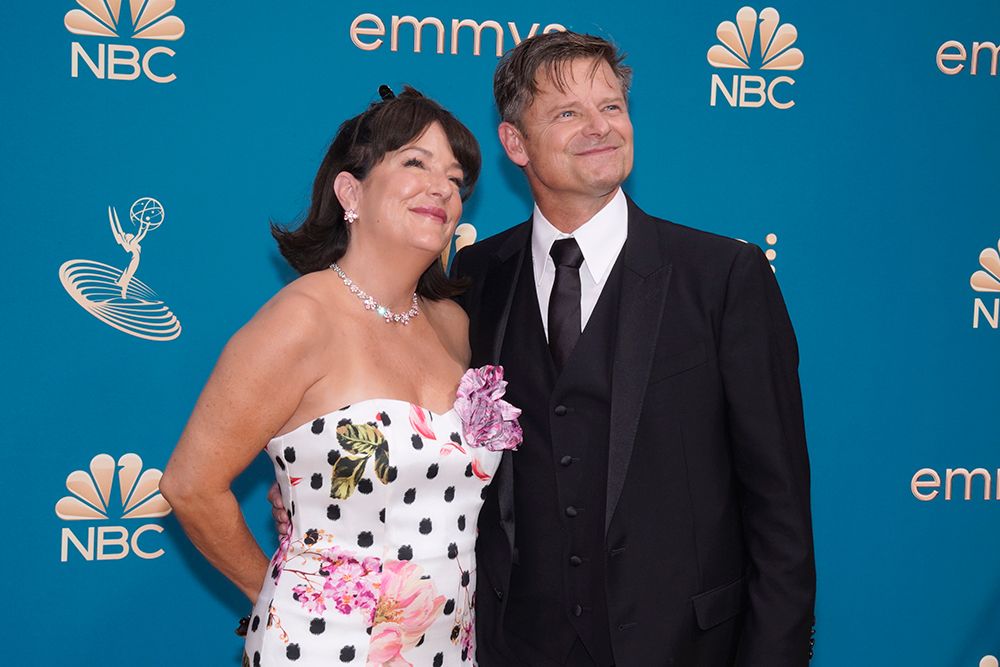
258	382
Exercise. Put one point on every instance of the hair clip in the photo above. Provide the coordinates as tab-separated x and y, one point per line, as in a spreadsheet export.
385	92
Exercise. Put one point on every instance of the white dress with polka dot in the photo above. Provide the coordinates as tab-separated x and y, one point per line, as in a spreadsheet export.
379	566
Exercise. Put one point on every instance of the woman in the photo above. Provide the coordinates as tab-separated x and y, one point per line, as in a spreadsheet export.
347	378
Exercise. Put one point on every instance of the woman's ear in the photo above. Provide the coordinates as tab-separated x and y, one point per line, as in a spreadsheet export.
348	190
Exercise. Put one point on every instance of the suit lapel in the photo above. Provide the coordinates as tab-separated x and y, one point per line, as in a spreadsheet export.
497	297
643	294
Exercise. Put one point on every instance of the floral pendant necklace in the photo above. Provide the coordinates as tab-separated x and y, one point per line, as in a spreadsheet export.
371	304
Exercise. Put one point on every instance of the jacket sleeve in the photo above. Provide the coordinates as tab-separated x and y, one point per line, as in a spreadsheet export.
758	357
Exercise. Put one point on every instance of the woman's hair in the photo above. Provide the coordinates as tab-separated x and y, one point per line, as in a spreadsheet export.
360	144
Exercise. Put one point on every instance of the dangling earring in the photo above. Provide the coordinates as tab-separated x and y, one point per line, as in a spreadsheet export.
350	215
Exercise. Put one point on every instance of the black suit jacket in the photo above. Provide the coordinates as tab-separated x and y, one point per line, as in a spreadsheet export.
708	528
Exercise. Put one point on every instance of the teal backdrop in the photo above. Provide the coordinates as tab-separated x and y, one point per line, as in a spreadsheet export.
875	194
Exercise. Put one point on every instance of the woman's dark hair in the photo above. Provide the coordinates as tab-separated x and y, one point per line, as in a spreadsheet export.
360	144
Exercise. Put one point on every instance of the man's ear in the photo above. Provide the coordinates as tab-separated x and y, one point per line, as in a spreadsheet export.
348	190
512	141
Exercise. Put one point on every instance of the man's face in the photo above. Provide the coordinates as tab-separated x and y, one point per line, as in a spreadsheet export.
576	142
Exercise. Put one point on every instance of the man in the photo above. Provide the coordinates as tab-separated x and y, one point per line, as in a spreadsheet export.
657	512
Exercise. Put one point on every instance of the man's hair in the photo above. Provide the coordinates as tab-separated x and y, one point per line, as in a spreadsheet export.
515	82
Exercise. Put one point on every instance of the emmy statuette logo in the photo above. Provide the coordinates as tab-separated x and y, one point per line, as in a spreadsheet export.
987	279
115	296
92	499
147	20
735	50
465	234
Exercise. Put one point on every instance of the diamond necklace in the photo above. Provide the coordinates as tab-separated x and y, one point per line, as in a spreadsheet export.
371	304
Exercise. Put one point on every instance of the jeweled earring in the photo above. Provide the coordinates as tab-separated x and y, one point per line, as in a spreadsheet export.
350	215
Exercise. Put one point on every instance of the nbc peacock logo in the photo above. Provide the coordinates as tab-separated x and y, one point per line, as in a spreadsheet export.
114	295
987	279
736	50
92	498
132	19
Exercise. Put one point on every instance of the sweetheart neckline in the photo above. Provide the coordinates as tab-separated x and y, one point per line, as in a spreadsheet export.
352	404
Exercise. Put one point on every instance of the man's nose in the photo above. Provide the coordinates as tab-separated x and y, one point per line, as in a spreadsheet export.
597	125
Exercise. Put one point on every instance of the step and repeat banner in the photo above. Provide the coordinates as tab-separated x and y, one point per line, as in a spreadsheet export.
146	144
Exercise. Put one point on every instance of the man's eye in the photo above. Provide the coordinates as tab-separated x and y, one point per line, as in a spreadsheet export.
613	107
566	114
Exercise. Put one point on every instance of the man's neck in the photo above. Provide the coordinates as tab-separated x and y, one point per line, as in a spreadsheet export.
568	214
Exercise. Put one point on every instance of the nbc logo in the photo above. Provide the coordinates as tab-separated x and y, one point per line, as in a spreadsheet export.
736	51
92	499
137	19
987	279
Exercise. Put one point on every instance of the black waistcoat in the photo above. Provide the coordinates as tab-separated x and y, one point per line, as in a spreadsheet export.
557	587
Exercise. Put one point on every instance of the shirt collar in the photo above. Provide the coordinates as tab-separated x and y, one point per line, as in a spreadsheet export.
601	238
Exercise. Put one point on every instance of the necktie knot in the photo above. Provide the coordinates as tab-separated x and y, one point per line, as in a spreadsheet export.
566	252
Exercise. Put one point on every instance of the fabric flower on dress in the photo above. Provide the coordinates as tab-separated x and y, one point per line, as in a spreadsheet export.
408	605
487	419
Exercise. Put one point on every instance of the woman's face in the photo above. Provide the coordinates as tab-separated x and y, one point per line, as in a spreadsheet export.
412	198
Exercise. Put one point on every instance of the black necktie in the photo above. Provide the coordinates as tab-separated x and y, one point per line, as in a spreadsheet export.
564	304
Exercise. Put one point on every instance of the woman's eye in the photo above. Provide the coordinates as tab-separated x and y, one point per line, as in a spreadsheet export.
459	183
413	162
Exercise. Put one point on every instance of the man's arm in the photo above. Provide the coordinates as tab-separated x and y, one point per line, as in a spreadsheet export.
758	357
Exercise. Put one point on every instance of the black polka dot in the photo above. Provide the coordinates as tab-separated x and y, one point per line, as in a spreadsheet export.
461	522
317	626
409	496
333	512
275	572
384	417
391	474
281	464
365	486
432	471
421	641
425	526
438	659
316	481
465	654
449	494
456	438
332	457
405	552
449	607
347	654
454	633
292	652
468	470
318	425
343	422
255	624
365	539
290	454
417	442
312	535
293	508
452	550
465	577
256	659
482	494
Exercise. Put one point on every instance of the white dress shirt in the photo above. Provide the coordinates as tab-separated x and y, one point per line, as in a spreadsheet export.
601	240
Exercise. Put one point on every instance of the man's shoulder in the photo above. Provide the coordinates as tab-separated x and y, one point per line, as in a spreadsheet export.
482	250
696	246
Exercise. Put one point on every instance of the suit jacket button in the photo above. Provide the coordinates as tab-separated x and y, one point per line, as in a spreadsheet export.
560	410
565	461
499	593
577	610
571	511
575	561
